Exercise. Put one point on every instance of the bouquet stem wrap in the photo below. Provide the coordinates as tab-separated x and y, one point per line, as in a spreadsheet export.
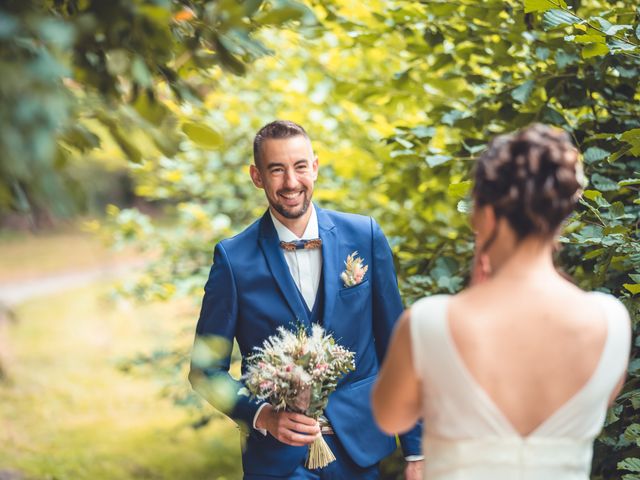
320	455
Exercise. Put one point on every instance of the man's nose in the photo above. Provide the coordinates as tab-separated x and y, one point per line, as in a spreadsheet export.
290	179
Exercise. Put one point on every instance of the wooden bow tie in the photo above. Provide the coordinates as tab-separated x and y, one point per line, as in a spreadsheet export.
301	244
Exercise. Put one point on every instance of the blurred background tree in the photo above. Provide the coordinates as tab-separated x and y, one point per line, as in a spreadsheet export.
399	98
84	83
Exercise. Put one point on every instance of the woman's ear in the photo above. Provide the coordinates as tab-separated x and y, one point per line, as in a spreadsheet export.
489	217
483	219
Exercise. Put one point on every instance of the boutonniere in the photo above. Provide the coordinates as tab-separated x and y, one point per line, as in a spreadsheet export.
354	271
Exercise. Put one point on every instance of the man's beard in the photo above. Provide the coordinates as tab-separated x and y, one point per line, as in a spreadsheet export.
282	210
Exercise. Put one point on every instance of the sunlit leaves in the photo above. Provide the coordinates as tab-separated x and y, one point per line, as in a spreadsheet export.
522	93
632	137
282	11
630	464
542	5
63	58
595	154
203	135
595	49
555	18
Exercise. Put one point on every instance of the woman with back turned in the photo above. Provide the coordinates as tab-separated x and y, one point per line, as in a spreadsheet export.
512	376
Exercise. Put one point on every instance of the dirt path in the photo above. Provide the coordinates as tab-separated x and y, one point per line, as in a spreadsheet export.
13	293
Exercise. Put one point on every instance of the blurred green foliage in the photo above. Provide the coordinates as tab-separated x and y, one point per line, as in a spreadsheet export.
76	75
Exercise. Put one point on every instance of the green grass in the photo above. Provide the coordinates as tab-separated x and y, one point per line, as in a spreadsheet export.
68	412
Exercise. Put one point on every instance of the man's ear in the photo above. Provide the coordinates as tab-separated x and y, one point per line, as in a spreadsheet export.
314	168
256	177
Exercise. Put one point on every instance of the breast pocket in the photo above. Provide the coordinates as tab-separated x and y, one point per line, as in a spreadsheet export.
363	286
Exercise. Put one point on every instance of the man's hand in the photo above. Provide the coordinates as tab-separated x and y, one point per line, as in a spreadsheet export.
291	428
413	470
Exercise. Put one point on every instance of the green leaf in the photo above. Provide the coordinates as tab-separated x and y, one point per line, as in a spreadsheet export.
202	135
634	288
564	58
632	137
473	149
592	194
617	210
603	183
616	46
522	93
542	53
424	132
81	138
634	367
551	115
459	189
403	153
632	433
596	196
56	32
452	116
405	143
595	154
542	5
589	38
554	18
8	26
594	253
615	156
613	414
435	160
282	11
464	206
609	28
117	61
629	181
595	50
630	464
140	72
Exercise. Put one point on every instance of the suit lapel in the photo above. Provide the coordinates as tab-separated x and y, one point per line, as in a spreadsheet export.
330	263
270	245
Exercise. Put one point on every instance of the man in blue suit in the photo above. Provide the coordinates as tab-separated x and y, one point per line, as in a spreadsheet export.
286	268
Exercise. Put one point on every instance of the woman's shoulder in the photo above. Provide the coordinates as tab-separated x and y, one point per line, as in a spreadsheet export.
429	305
428	312
605	298
612	306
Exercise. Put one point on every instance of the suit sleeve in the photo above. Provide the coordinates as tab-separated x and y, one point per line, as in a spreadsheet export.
210	359
387	308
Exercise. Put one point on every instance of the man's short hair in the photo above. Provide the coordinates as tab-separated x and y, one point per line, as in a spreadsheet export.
275	129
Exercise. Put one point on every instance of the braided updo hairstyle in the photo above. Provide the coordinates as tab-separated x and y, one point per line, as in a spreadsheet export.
532	177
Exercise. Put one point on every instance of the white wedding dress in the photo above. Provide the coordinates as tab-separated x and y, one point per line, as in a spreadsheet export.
467	437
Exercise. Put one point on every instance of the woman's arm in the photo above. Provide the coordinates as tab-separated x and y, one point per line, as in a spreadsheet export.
396	395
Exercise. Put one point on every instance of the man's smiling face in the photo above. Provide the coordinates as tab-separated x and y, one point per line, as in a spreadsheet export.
287	170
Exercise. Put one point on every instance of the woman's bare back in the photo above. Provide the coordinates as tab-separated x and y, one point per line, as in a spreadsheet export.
531	345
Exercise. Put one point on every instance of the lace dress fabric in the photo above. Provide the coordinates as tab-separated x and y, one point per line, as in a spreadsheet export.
466	436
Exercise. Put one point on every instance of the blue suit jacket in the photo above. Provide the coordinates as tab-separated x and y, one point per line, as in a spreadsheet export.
250	293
